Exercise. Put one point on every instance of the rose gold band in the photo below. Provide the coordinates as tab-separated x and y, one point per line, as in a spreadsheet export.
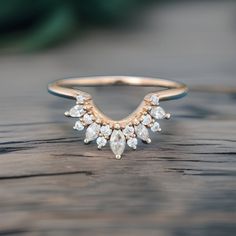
67	87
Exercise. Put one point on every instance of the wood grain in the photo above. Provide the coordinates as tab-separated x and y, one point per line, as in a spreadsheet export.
183	183
51	183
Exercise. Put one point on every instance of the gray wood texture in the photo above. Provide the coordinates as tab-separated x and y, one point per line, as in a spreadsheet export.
183	183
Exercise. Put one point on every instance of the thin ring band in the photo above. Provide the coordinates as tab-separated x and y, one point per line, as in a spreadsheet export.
64	87
118	132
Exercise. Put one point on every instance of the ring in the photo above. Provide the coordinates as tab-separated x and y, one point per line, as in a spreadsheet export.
128	130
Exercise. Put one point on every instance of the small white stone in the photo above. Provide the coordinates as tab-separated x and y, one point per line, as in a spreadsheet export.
156	127
154	99
88	119
128	131
158	113
147	119
78	126
77	111
101	142
132	142
106	130
80	99
117	143
142	132
92	132
118	157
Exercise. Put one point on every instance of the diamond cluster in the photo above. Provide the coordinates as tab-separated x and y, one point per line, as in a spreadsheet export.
117	136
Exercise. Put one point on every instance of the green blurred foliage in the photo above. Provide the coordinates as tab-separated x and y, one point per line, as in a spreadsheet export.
29	25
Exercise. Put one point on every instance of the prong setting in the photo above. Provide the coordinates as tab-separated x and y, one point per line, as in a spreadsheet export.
118	157
117	133
167	116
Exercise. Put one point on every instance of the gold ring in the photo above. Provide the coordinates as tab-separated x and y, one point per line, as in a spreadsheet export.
128	130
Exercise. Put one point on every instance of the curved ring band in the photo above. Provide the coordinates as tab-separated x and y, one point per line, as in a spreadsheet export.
65	87
118	132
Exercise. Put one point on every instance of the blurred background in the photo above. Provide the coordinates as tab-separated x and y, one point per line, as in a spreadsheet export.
190	41
153	37
28	25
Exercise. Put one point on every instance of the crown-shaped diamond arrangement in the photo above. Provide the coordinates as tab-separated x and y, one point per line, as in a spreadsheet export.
115	133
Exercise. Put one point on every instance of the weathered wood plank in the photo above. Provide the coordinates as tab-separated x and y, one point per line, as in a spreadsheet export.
51	182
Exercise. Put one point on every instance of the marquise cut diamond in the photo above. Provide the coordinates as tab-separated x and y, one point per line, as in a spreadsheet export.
92	132
142	132
117	143
77	111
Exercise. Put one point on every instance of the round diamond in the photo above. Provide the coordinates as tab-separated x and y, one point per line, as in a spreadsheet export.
105	130
154	99
88	119
78	126
76	111
158	113
128	131
132	142
80	99
155	127
101	142
147	119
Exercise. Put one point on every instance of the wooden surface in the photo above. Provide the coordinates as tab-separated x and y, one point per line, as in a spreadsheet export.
183	183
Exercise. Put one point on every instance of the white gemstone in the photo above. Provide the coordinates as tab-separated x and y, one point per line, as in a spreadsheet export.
128	131
155	127
117	143
92	132
132	142
80	99
88	119
142	132
101	142
105	130
78	126
76	111
154	99
147	119
158	113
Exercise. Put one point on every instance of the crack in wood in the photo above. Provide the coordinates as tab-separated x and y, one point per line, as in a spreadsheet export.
13	232
40	141
88	173
6	150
